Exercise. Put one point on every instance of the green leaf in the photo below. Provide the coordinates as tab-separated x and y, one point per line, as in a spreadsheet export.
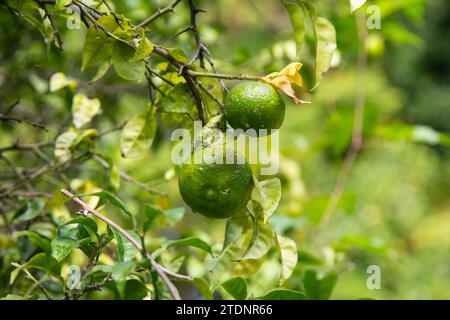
97	47
289	257
61	4
284	294
415	133
192	242
234	229
37	239
308	258
138	134
178	54
84	109
297	19
325	46
85	221
64	144
178	100
268	194
122	54
115	201
319	289
74	278
152	213
11	296
101	71
262	238
203	287
62	246
69	140
44	262
173	216
236	287
143	50
29	210
135	290
121	270
125	249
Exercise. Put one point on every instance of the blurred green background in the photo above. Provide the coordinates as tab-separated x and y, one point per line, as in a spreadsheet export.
395	209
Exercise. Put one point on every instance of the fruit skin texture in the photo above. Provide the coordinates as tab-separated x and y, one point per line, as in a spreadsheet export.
255	105
215	190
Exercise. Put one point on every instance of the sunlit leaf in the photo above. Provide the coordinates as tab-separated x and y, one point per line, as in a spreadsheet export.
84	109
74	278
59	80
62	246
325	46
69	140
283	80
138	134
268	194
143	50
11	296
289	258
355	4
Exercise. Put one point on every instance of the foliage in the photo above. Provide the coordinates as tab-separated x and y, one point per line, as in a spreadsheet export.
89	111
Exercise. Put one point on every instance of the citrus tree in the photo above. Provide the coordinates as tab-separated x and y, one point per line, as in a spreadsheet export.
82	224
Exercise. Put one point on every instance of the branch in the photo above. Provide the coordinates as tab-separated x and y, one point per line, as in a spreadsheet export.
158	14
158	268
32	278
12	120
224	76
358	122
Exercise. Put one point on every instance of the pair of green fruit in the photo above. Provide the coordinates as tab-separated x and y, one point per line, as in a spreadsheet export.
222	190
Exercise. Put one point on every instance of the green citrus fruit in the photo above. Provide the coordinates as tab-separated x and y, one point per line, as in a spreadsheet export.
215	190
254	105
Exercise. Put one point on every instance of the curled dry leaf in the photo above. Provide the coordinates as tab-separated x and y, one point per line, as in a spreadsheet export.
283	80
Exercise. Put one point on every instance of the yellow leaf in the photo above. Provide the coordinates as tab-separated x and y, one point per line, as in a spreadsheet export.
282	80
290	71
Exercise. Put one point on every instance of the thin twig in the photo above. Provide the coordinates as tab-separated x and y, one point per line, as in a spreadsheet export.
158	14
358	122
12	120
32	278
224	76
85	208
